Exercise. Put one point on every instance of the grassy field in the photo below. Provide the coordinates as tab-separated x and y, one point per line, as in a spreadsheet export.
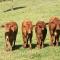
34	10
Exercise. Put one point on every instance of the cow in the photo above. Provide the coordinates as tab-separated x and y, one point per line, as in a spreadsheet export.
54	28
27	32
41	31
11	30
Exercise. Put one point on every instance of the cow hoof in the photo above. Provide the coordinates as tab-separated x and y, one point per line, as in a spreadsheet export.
30	47
39	47
8	49
24	46
57	45
51	44
42	45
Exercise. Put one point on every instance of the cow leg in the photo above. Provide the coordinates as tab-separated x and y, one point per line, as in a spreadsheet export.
30	43
6	41
27	43
24	41
8	46
9	43
52	38
14	41
15	34
30	40
57	39
39	43
42	44
10	49
24	44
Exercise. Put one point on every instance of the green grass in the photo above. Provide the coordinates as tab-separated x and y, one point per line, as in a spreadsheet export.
34	10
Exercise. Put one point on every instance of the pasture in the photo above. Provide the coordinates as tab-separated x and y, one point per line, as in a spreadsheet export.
34	10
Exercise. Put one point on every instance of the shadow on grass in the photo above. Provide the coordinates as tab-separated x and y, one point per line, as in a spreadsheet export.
15	8
34	45
59	44
16	47
46	45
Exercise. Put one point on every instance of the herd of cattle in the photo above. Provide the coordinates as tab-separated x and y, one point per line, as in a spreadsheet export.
11	30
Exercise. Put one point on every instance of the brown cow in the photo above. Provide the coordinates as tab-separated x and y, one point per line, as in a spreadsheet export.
41	31
54	28
27	32
11	29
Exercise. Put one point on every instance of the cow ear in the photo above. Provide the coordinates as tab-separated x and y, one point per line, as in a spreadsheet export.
2	26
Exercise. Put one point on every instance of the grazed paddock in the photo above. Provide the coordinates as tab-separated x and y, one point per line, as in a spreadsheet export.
34	10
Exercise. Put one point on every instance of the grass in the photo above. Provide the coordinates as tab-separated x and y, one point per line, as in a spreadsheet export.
34	10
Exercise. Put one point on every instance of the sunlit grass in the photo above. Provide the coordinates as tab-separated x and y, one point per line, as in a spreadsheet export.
34	10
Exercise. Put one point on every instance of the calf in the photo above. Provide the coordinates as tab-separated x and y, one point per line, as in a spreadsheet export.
54	28
11	29
41	31
27	32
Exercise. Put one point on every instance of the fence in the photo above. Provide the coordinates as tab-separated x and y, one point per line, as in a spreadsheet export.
3	2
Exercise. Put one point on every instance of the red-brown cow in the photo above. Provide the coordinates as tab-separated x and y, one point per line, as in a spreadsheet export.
11	29
27	32
41	31
54	28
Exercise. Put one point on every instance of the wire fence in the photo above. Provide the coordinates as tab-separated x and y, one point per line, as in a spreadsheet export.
10	5
6	2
